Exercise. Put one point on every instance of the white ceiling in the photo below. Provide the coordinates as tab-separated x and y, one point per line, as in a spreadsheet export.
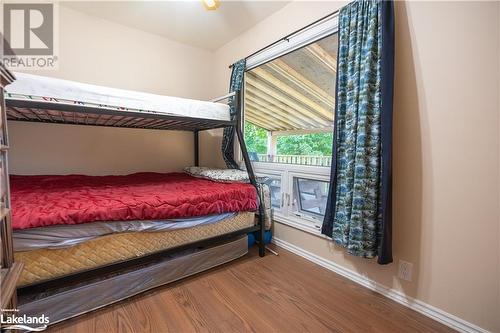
184	21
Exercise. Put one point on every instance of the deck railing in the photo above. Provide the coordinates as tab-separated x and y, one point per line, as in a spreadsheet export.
297	159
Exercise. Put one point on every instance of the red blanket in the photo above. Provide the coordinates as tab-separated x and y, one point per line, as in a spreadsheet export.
47	200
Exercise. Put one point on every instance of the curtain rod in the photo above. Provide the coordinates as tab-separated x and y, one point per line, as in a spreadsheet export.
287	37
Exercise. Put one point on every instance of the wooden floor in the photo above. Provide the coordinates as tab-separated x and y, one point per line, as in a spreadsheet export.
271	294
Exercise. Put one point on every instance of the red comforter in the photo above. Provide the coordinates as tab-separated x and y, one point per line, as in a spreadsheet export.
48	200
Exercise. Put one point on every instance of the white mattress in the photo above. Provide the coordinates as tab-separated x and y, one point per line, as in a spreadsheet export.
34	87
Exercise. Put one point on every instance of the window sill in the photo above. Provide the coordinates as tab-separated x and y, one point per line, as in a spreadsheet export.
274	166
306	227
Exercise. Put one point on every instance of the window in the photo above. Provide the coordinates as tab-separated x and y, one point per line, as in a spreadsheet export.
274	182
309	197
288	106
276	194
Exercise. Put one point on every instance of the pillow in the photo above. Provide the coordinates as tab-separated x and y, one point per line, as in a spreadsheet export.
221	175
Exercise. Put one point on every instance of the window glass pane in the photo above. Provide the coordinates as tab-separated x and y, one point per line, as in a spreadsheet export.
274	183
289	104
275	186
310	196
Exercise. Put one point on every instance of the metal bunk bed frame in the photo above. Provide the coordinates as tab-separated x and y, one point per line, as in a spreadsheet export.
150	120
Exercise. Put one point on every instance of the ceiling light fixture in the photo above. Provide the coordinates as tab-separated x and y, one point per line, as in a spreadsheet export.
211	4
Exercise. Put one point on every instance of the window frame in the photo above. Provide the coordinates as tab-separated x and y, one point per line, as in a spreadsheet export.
301	212
287	172
323	28
274	174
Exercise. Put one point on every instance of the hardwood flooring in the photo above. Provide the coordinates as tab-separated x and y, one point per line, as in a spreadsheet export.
271	294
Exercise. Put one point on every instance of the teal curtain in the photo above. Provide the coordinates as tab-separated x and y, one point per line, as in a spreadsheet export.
358	215
238	69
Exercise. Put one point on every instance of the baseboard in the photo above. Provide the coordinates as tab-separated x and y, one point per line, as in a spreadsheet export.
414	304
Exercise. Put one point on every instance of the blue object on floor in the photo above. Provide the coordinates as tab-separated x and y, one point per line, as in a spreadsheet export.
251	239
253	236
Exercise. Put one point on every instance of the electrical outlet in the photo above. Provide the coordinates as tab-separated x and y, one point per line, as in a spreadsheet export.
405	270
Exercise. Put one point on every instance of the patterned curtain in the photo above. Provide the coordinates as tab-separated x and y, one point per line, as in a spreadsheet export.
358	215
229	132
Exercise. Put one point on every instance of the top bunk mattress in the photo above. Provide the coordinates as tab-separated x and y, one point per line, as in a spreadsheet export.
29	87
39	201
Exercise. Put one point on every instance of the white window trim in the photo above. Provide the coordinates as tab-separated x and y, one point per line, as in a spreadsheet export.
275	174
297	224
307	174
286	172
308	35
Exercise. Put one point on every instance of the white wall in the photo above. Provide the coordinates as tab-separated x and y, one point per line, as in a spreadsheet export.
446	152
96	51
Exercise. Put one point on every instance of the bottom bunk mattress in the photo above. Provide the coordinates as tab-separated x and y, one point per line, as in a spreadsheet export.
45	264
41	201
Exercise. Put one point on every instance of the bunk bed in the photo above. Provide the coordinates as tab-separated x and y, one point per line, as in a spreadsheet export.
156	231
